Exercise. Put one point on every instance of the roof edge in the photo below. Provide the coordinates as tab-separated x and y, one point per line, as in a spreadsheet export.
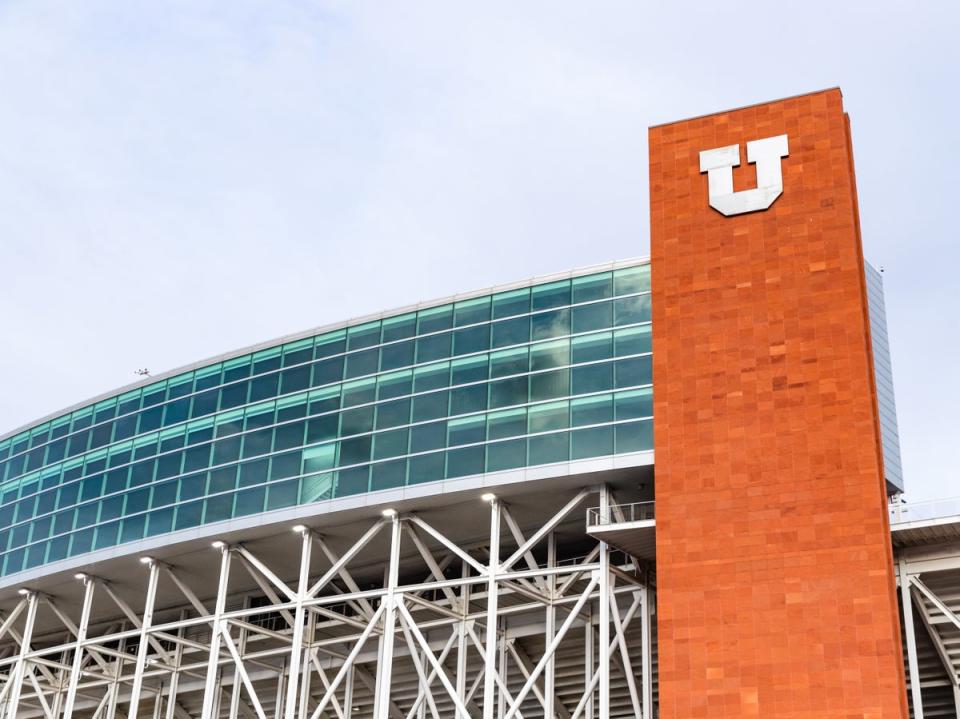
313	331
745	107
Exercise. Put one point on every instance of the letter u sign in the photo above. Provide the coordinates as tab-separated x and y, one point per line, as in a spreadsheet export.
719	164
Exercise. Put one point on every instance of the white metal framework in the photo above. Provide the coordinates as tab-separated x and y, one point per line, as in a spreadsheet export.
401	620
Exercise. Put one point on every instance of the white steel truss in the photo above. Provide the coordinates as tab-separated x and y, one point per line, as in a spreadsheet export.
534	621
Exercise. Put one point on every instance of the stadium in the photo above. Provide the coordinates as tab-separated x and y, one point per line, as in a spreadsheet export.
657	487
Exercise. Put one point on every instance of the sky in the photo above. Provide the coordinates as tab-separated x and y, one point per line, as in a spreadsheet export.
180	179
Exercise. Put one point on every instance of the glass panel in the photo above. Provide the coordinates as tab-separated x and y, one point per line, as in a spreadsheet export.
401	327
387	475
426	437
330	344
470	312
434	405
550	324
434	319
512	302
468	399
393	413
549	355
471	339
592	378
507	423
316	488
549	385
592	442
365	335
400	354
630	310
390	444
353	481
634	437
465	461
632	279
591	410
433	347
588	318
471	369
282	494
363	363
510	332
555	294
591	348
547	417
635	404
354	451
319	459
634	371
432	376
466	430
509	362
506	455
593	287
506	392
634	340
359	392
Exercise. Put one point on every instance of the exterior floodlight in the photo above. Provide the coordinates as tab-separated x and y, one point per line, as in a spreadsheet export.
80	575
389	512
488	496
298	528
146	560
23	592
218	544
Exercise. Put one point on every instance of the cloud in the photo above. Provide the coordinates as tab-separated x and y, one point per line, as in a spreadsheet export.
179	179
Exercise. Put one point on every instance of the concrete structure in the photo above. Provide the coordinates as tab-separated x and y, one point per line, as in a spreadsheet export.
450	509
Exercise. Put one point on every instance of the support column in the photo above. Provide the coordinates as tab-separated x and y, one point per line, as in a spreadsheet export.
490	657
646	653
145	624
237	683
907	600
588	662
462	637
213	659
296	648
82	629
549	679
19	669
385	669
174	683
348	694
604	660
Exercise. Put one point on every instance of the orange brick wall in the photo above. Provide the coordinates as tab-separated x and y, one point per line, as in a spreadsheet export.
776	593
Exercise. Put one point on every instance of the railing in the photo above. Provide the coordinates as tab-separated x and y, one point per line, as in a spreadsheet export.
615	513
901	512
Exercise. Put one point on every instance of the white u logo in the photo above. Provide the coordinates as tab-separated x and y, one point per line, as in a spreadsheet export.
719	164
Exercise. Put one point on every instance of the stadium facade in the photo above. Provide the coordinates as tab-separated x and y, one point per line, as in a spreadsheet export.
454	509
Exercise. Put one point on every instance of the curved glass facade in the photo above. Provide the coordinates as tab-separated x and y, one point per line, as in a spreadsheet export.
548	373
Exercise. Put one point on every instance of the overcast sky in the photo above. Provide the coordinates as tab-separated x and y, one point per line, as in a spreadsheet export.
179	179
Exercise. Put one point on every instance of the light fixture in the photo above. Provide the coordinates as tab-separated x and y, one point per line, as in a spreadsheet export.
23	591
389	512
298	528
218	544
488	496
146	560
80	575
